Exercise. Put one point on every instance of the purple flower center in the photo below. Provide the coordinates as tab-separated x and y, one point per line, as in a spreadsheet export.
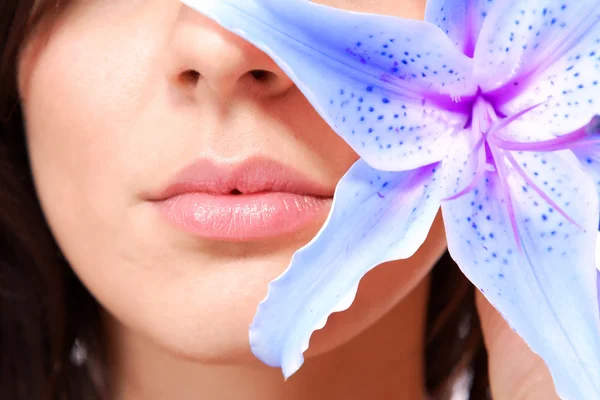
493	149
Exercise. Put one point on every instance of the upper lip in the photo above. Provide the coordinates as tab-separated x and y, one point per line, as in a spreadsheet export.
253	175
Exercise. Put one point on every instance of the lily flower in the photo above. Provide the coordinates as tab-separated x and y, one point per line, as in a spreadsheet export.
486	109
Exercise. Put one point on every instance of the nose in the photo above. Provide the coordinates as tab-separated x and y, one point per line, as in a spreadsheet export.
205	58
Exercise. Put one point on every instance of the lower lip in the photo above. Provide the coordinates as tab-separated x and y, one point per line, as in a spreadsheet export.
242	217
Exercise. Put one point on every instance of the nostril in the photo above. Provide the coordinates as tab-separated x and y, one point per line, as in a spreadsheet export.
261	75
189	78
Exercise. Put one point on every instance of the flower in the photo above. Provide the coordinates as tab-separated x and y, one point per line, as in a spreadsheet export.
485	108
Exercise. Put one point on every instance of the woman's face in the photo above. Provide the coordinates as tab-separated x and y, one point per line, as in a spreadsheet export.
118	98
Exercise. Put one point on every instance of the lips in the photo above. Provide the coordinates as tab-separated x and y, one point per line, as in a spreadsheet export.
252	200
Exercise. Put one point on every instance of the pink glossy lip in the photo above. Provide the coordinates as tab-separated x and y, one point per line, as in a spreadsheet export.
252	200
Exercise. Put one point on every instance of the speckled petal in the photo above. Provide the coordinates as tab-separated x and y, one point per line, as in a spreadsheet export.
589	157
376	217
369	76
542	51
544	285
598	266
461	20
598	251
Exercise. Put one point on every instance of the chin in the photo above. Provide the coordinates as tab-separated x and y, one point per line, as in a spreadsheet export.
208	323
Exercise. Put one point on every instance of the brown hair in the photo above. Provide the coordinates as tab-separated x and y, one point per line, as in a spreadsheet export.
44	308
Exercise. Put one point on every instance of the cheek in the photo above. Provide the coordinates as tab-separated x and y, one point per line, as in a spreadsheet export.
86	97
80	103
83	90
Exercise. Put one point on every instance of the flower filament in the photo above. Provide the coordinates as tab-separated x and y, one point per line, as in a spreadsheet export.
493	152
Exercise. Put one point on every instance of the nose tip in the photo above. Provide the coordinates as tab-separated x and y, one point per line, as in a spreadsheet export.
206	58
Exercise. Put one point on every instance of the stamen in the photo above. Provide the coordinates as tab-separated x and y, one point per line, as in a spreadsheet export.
491	115
481	160
575	138
481	168
539	191
506	121
483	116
584	136
503	176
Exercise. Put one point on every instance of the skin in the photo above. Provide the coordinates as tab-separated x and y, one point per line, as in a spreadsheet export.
111	115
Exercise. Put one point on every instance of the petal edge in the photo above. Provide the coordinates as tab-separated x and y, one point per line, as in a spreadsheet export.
396	210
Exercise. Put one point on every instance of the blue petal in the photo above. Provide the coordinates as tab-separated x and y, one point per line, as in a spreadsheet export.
590	159
598	267
589	155
376	217
545	284
369	76
598	251
460	19
598	284
534	51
